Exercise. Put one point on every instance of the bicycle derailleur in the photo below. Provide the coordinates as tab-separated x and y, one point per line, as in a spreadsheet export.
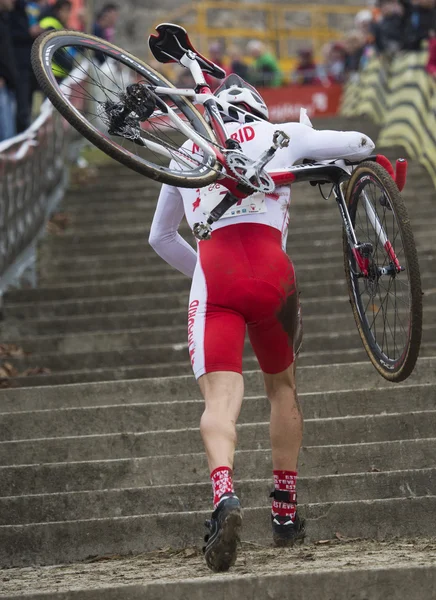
136	105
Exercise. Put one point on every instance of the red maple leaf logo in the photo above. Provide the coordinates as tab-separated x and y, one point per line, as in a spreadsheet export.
196	204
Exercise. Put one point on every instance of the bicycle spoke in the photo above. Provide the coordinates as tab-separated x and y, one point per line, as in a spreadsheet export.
109	101
385	303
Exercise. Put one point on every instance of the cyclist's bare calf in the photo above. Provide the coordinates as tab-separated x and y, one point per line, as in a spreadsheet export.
286	424
223	392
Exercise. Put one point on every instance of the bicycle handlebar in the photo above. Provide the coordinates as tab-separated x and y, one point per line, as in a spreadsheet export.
399	175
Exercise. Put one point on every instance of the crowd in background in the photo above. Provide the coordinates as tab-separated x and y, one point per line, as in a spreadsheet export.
386	27
21	21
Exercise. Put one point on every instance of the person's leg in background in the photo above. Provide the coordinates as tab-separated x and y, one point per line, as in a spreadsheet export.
7	112
24	95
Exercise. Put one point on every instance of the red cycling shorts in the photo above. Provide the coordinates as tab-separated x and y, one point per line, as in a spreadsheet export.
243	281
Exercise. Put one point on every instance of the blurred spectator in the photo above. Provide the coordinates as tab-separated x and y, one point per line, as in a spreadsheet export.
216	55
8	74
22	40
334	64
431	65
183	78
237	65
388	32
57	15
265	71
306	71
35	12
355	45
364	24
419	21
57	18
106	22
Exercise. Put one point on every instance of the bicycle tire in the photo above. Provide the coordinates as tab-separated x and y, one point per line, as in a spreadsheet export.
43	50
392	369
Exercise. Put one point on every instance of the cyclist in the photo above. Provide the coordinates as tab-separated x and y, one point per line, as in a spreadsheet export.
243	279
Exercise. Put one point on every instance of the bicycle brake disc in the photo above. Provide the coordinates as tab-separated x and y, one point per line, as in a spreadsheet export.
240	166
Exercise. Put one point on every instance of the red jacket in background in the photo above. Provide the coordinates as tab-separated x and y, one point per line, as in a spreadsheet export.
431	65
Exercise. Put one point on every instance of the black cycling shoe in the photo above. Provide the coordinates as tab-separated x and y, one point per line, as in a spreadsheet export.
222	541
286	532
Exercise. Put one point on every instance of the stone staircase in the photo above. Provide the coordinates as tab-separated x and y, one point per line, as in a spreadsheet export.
102	456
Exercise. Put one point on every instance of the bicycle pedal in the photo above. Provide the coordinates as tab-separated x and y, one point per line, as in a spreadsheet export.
281	139
202	231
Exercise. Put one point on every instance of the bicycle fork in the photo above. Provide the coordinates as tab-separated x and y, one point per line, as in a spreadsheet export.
362	252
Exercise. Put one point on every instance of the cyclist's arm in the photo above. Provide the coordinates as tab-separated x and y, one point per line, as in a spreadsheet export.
164	238
326	145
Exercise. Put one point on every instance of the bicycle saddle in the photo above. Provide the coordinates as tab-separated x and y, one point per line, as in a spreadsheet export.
172	42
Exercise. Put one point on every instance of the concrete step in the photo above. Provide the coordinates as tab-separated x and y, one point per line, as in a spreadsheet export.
139	232
116	503
323	322
83	219
310	379
183	367
370	519
17	480
139	235
113	273
108	304
152	262
120	321
124	199
130	303
163	345
120	181
38	456
170	369
168	283
145	198
149	415
121	371
312	573
294	248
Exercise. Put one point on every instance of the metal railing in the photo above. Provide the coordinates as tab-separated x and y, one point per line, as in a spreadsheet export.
33	178
285	28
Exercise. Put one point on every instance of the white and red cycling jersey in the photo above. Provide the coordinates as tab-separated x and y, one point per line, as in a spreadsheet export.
242	277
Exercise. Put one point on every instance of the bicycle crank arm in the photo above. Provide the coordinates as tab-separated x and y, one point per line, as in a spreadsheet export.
203	231
280	140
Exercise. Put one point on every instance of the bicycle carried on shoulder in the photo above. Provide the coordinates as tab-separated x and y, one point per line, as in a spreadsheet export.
136	116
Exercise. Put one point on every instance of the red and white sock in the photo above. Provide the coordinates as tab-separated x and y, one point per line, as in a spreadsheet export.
285	481
222	483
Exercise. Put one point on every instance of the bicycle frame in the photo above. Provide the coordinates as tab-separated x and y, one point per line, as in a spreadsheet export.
336	172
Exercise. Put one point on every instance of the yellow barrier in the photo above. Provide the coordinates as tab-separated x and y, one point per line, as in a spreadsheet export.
284	28
401	98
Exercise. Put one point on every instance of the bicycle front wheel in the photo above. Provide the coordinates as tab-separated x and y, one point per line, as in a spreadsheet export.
95	94
387	303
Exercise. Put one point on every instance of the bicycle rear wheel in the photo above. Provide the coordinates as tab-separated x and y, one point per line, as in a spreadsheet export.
94	94
387	304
